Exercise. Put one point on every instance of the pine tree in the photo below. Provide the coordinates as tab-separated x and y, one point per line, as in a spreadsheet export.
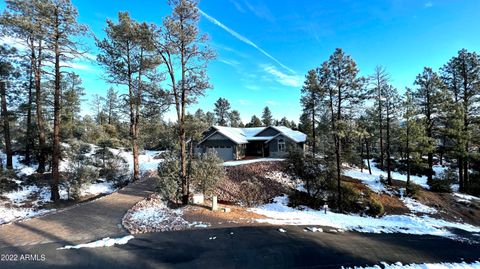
27	21
185	53
222	111
428	97
342	90
310	101
392	104
111	105
267	117
462	77
379	81
61	28
7	74
72	92
235	120
129	57
254	122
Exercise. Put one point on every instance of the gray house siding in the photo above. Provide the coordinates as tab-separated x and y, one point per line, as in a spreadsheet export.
289	144
225	148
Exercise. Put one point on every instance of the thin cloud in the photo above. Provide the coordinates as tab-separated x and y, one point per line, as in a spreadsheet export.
237	6
429	4
261	10
244	39
271	102
282	78
229	62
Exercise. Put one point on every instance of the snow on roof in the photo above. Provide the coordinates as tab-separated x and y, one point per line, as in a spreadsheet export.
292	134
235	134
243	135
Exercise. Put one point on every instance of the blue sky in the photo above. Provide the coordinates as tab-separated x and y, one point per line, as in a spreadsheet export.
265	47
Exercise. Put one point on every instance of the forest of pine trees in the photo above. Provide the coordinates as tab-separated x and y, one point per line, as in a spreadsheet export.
351	119
348	118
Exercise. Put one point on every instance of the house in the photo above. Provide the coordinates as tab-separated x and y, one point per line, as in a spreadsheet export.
237	143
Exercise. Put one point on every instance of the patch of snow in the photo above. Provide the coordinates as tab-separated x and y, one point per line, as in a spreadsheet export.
373	180
105	242
9	214
465	198
417	207
278	213
399	265
314	229
282	230
242	162
98	188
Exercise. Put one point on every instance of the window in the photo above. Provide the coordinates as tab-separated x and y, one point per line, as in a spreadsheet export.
281	145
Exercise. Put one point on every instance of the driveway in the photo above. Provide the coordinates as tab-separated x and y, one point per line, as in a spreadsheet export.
252	247
84	222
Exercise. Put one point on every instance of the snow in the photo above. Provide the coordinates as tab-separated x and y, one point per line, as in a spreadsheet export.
278	213
243	135
105	242
98	188
465	197
282	230
292	134
235	163
398	265
417	207
147	162
9	214
373	180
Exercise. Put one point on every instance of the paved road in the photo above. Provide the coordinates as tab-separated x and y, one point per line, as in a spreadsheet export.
87	221
251	247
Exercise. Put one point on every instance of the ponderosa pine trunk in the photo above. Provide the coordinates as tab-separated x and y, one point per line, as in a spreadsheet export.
368	156
42	154
55	195
6	126
28	135
389	161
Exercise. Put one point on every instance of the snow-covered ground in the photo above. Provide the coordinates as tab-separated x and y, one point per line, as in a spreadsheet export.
235	163
373	180
26	202
278	213
105	242
465	198
398	265
417	207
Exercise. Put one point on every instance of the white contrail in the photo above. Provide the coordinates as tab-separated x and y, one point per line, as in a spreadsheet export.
243	39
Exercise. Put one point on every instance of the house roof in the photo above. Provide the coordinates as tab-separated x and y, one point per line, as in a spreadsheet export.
243	135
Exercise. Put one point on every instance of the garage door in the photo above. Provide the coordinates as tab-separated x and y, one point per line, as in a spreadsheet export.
225	153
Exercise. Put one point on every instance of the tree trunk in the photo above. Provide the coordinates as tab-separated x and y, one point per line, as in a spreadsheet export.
389	161
460	174
368	156
314	132
42	155
380	121
408	157
29	139
55	195
361	155
6	126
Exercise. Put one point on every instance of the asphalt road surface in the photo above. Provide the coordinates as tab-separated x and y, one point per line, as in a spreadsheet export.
246	247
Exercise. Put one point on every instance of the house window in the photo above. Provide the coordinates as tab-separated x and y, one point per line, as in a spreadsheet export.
281	145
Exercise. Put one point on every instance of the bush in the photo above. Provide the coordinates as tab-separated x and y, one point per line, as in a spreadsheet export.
312	171
116	169
80	175
300	198
375	208
351	198
251	192
169	180
84	148
7	183
207	171
413	190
